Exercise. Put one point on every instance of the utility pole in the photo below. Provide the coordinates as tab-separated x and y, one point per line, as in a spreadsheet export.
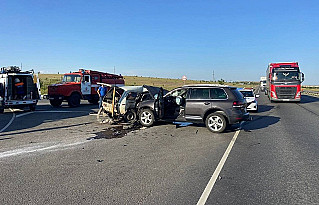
214	76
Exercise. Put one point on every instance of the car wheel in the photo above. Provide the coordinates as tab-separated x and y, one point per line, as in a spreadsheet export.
216	122
130	116
146	117
74	100
56	103
1	110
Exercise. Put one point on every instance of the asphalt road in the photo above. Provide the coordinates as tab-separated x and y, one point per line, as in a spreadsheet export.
46	158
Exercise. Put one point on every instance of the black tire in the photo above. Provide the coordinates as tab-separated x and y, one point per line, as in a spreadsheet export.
216	122
146	117
130	116
74	100
1	110
32	107
56	103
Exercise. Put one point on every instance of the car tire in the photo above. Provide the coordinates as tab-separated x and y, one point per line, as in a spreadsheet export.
56	103
130	116
146	117
216	122
74	100
1	110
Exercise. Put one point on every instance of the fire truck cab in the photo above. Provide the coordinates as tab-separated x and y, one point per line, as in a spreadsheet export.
18	89
80	85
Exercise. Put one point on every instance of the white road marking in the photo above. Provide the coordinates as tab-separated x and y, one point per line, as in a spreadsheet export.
37	148
46	111
23	114
213	179
58	111
10	122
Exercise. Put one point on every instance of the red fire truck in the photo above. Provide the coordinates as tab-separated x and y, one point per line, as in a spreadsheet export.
284	82
81	85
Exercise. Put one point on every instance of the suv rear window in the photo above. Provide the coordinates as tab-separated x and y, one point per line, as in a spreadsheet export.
238	95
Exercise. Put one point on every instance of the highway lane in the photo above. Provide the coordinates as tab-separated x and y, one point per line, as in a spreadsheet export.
162	164
273	161
277	164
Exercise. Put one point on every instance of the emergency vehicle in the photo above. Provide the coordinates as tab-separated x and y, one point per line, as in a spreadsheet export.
81	85
18	89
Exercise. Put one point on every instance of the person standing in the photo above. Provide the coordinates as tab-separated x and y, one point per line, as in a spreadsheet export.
19	88
102	92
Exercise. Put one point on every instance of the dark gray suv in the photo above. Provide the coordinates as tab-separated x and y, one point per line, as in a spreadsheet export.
215	105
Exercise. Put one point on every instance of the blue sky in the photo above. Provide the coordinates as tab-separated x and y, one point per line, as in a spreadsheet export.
161	38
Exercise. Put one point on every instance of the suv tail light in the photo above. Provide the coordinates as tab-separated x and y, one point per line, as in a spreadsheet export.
238	104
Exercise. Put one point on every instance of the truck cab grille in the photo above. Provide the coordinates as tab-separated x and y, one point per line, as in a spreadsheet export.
286	92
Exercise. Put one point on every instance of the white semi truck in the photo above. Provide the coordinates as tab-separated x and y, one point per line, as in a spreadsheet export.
263	83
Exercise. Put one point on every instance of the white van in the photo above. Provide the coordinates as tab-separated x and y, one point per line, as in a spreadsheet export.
17	89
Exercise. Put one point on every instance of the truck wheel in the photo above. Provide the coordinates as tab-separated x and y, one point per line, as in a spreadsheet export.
216	122
146	117
32	107
130	116
56	103
74	100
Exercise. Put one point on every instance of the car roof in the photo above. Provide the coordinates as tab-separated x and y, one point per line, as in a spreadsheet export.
246	89
207	85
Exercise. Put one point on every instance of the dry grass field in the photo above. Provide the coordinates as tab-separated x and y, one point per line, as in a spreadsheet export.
166	83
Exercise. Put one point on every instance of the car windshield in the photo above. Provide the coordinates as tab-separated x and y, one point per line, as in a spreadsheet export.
286	76
247	93
71	78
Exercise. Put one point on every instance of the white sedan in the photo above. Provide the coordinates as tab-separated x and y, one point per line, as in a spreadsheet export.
251	99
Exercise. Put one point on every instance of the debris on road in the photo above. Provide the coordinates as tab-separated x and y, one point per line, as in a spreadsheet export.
182	124
116	131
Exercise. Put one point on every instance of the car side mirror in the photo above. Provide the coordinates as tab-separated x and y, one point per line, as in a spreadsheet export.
257	95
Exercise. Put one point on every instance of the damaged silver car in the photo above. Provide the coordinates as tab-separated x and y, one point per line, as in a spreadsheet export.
120	103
